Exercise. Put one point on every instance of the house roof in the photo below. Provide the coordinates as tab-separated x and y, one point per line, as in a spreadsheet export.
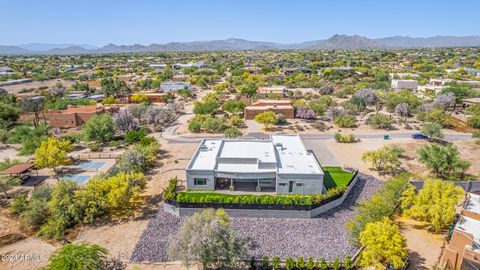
470	226
16	169
473	203
284	154
79	109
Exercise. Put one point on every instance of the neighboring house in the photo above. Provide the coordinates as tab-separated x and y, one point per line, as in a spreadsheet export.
463	250
158	65
6	71
75	116
154	96
15	82
277	90
168	87
280	164
251	70
440	82
198	64
290	71
277	106
405	84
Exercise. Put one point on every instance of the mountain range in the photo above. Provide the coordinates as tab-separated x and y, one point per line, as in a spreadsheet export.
232	44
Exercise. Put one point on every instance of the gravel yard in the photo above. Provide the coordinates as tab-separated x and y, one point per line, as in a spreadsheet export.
324	236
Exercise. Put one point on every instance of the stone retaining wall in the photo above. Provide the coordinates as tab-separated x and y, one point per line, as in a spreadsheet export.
266	213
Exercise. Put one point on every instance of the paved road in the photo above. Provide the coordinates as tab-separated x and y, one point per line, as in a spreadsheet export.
169	134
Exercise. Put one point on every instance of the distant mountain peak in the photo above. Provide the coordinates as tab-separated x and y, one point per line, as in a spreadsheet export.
337	41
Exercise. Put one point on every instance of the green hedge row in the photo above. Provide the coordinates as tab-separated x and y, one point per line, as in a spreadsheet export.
216	197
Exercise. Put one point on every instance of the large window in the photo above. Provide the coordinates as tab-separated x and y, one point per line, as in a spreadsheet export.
265	181
200	181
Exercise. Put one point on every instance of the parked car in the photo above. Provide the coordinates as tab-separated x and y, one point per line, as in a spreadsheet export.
419	136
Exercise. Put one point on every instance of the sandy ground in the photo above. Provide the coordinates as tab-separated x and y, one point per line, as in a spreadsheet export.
30	253
13	89
348	154
119	238
11	152
425	248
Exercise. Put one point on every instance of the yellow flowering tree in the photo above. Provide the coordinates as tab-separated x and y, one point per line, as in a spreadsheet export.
52	153
434	203
383	245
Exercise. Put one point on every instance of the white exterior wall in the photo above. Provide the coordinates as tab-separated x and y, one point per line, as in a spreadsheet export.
405	84
209	175
310	184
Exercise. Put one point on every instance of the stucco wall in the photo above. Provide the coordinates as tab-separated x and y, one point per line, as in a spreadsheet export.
191	175
311	184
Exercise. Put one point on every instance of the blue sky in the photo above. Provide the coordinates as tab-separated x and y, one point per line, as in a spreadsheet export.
146	21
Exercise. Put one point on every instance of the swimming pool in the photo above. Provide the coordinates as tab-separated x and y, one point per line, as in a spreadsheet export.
81	179
91	164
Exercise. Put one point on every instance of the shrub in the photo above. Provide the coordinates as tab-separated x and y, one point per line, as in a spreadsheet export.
345	138
95	147
323	264
232	132
78	256
276	263
304	113
380	121
265	262
139	98
133	136
381	204
474	121
345	121
194	126
18	204
348	264
289	263
170	192
300	263
253	263
310	263
336	264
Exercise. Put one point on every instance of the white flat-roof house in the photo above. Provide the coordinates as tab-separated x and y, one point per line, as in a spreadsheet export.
281	164
168	87
405	84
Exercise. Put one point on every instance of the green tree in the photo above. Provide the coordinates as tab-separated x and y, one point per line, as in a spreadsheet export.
385	159
383	245
205	107
434	203
8	113
112	194
266	118
36	210
115	88
232	132
474	121
381	204
461	91
435	116
64	210
232	106
100	128
52	153
206	237
443	161
345	121
78	256
380	121
432	130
